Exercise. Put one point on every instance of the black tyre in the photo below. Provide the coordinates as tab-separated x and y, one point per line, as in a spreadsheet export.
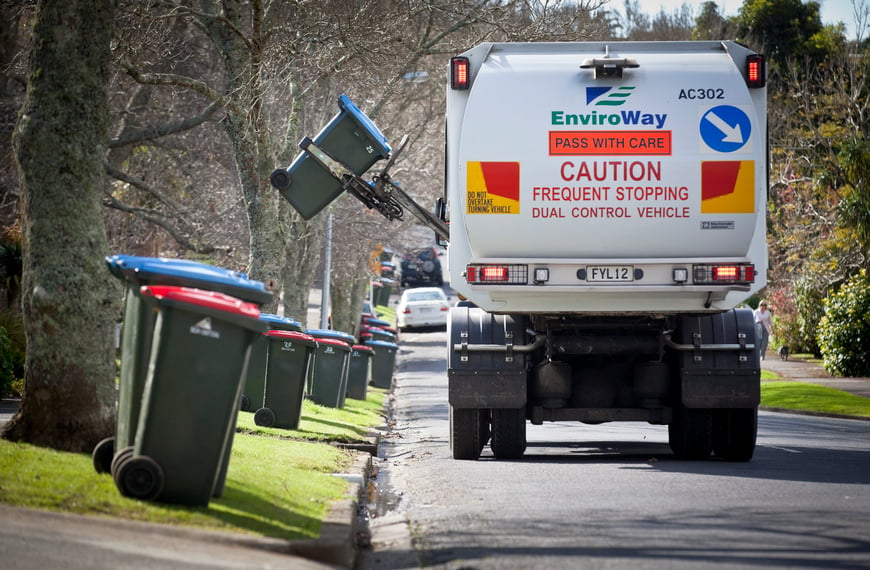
120	456
102	455
469	432
139	477
690	434
264	417
245	403
734	433
508	433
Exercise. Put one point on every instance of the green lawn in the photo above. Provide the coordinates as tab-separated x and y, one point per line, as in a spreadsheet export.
803	396
280	483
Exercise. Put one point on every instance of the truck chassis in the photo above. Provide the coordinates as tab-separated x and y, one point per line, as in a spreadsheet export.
698	374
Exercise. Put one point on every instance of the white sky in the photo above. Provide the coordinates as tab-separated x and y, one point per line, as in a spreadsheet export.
833	11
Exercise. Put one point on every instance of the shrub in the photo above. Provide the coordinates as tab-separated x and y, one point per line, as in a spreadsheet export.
6	364
12	352
844	331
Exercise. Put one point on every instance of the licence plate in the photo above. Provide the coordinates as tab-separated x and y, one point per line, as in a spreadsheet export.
609	273
424	310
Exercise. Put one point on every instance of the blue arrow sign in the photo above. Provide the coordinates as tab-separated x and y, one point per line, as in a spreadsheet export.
725	128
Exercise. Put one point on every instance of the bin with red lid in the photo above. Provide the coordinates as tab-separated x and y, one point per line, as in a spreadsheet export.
198	357
288	357
328	378
359	371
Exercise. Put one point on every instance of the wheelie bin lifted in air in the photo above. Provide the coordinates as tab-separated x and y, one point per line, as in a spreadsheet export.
288	356
383	363
359	371
138	328
201	345
327	382
255	380
352	139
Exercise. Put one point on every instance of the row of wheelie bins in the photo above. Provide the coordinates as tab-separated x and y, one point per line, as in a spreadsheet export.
195	349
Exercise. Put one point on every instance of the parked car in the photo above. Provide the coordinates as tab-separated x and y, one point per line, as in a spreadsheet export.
421	267
422	307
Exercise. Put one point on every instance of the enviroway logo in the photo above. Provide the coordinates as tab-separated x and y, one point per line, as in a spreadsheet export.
203	328
608	96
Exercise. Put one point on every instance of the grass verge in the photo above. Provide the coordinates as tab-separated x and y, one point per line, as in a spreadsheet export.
280	483
806	397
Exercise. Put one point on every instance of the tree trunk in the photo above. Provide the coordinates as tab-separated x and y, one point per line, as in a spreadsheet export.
69	300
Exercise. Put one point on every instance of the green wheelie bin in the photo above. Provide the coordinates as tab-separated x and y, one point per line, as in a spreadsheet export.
255	380
383	363
201	345
287	359
328	379
350	138
331	334
359	371
138	328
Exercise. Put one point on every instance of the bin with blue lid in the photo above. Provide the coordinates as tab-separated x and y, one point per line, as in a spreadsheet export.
255	380
288	358
352	139
138	328
200	349
327	382
383	363
359	371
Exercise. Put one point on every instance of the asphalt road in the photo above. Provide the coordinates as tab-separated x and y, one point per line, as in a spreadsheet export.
612	496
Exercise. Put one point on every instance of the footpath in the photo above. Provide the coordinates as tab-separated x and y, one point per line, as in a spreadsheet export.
798	370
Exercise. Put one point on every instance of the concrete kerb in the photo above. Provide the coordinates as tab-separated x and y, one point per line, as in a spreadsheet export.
337	543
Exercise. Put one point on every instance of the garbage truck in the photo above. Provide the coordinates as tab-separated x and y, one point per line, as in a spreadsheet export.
604	206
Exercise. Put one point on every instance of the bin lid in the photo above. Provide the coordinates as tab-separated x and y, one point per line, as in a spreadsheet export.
332	334
281	323
377	322
294	336
362	349
209	299
382	344
345	104
186	273
333	342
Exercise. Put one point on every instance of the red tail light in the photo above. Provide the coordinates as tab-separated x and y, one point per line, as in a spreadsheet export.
724	274
755	71
459	73
495	274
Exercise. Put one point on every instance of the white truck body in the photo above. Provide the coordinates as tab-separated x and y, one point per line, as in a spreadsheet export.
606	217
624	179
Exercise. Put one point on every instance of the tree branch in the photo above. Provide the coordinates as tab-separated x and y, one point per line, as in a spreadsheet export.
164	130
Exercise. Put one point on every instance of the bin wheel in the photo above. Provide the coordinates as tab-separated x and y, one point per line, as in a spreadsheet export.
139	477
264	417
119	458
245	404
103	454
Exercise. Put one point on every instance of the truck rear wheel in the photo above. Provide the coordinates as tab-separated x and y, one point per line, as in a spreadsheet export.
508	433
469	432
690	433
734	433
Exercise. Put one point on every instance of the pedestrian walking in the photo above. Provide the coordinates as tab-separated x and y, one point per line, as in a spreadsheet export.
763	327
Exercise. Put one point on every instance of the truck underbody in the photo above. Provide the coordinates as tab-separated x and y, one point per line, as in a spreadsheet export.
698	374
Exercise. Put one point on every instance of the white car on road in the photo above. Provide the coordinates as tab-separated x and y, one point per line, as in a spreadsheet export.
422	307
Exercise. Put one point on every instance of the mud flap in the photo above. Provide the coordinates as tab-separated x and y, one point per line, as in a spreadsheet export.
491	379
720	378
